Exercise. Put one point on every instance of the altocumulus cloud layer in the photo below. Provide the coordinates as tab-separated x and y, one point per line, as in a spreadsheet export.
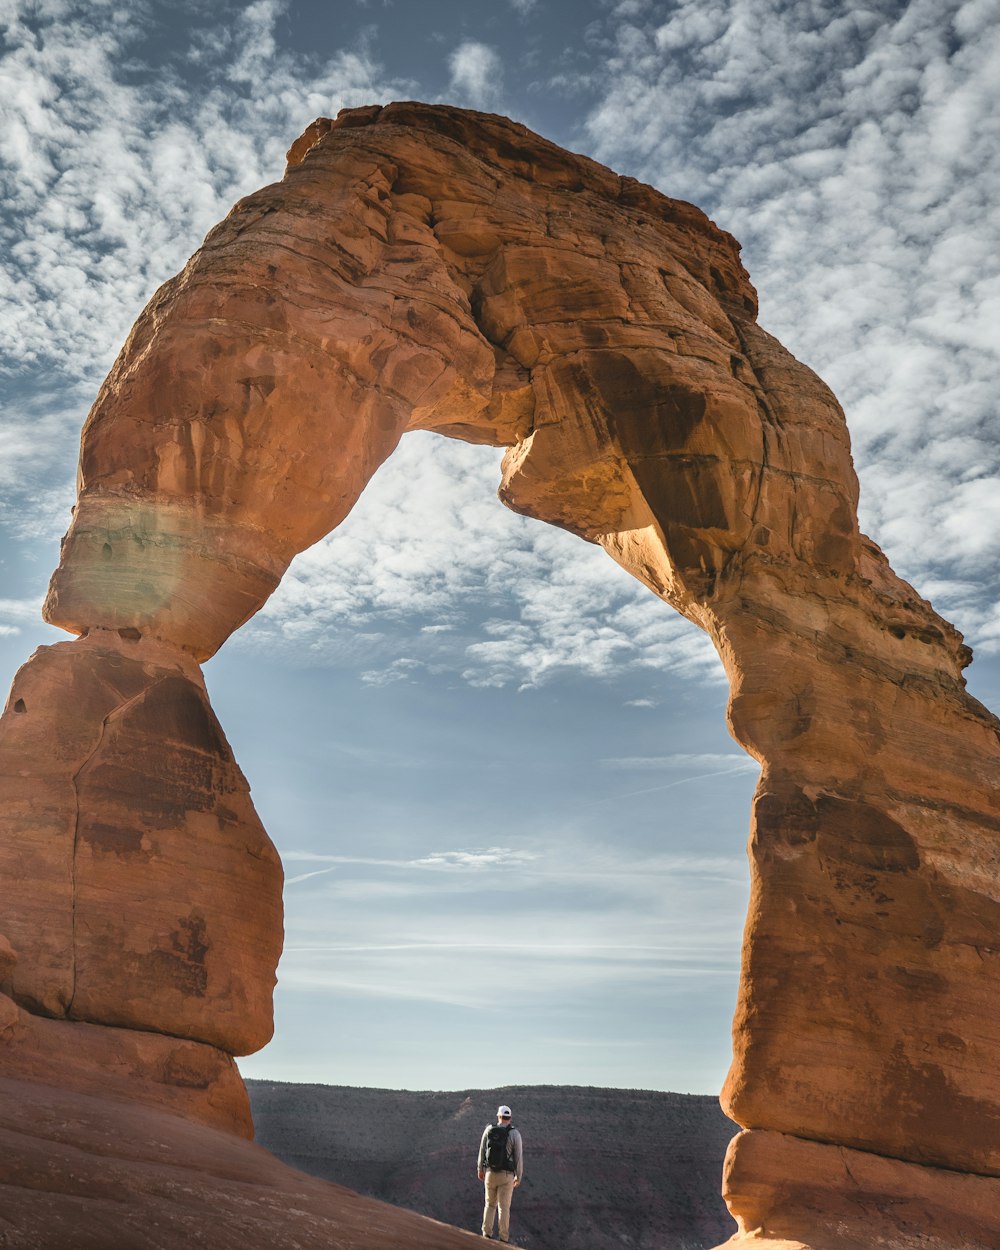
853	149
112	173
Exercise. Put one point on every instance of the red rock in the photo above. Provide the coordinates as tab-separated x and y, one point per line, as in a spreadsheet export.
80	1172
148	894
188	1078
793	1193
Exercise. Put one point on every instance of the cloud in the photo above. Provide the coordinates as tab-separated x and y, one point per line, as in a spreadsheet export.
580	918
492	857
476	75
23	610
431	575
856	153
16	614
24	615
446	861
111	175
570	928
735	761
672	785
305	876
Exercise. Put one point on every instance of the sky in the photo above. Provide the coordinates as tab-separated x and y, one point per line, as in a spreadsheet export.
497	769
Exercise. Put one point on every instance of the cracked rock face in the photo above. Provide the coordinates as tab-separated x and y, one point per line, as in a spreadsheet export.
429	268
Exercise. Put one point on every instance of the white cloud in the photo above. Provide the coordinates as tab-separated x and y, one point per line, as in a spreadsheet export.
108	185
25	616
492	857
429	551
734	762
856	154
445	861
22	610
476	75
305	876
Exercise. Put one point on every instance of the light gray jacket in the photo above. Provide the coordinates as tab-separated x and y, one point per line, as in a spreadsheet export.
515	1151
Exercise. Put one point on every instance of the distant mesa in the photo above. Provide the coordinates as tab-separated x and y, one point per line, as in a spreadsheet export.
427	268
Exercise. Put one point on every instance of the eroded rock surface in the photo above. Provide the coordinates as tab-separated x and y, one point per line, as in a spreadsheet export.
188	1078
428	268
792	1193
149	894
82	1172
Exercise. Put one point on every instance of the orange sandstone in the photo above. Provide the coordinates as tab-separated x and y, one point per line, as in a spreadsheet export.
429	268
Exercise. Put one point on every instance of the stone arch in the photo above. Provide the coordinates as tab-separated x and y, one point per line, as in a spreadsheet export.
429	268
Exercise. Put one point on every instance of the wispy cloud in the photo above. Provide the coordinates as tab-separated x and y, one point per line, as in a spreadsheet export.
577	955
306	876
492	857
444	861
20	610
855	153
734	762
26	614
672	785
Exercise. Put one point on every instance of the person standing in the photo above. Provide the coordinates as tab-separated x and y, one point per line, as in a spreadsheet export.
500	1165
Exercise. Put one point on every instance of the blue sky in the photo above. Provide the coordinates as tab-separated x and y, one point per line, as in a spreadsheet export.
497	769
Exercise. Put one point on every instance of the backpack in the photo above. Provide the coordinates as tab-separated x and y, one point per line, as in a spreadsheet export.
497	1146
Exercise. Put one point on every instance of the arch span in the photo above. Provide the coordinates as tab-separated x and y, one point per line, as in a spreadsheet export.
427	268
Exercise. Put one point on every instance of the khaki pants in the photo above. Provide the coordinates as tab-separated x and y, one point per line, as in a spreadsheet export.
499	1191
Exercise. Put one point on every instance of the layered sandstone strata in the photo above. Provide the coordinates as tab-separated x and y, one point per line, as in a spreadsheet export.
427	268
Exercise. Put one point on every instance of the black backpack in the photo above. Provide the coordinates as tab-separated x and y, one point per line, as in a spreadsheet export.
497	1145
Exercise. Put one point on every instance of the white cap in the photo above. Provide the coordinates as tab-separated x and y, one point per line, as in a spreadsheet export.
504	1112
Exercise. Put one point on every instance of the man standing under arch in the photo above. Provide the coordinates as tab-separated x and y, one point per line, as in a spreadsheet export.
500	1165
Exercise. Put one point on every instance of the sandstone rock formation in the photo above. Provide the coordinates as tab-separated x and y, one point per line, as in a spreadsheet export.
428	268
152	892
83	1172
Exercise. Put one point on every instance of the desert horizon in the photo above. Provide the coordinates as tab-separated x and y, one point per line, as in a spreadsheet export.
603	1168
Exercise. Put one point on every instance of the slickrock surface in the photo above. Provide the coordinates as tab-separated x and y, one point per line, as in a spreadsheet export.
428	268
79	1172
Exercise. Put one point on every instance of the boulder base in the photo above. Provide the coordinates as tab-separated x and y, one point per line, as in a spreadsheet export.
792	1194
